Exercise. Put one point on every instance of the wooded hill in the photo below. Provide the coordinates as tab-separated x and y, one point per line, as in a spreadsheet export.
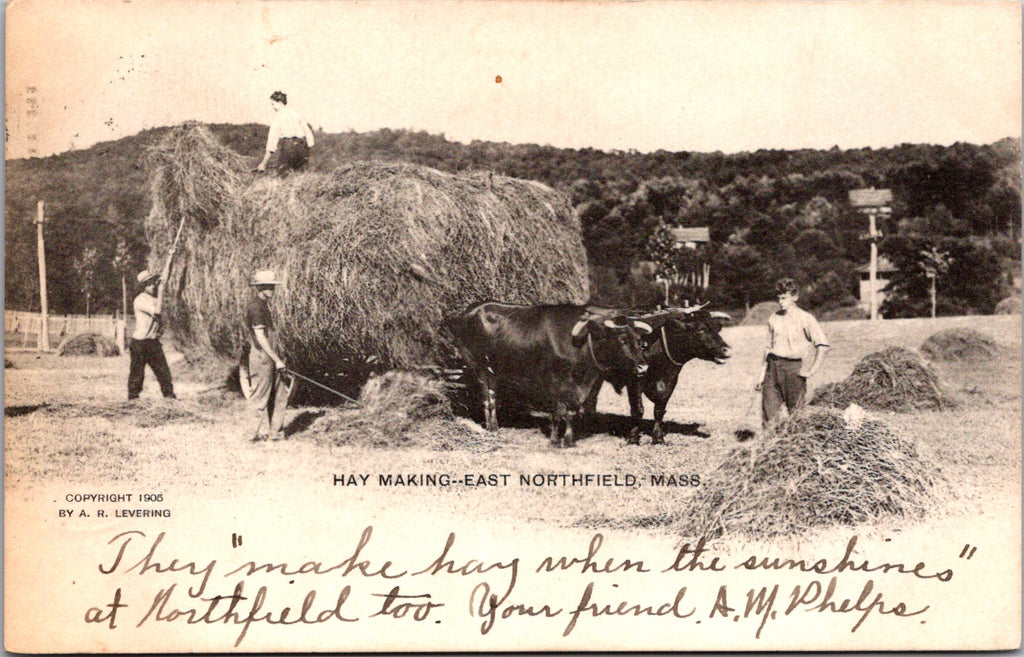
770	213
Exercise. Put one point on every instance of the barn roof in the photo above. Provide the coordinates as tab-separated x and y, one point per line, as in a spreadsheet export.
884	266
868	198
698	234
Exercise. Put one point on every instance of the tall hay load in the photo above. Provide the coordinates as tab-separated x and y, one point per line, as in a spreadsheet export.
372	255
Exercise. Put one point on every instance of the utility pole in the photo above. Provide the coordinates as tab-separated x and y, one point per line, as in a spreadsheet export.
44	331
935	262
874	203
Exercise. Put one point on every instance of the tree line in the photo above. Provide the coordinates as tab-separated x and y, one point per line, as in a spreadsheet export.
770	213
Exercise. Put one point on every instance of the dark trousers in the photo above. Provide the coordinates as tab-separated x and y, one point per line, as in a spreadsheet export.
292	154
148	352
782	385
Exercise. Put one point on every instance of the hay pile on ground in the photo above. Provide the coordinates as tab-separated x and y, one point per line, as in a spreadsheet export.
759	313
88	344
373	255
960	344
891	380
1009	306
395	408
814	471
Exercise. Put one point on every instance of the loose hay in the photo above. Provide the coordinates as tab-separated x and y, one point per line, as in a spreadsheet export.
373	255
891	380
88	344
960	344
155	413
396	408
814	471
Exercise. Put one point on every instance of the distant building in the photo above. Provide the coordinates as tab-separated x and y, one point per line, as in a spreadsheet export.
691	238
697	275
695	239
883	274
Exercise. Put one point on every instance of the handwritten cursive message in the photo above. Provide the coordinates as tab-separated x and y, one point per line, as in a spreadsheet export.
559	593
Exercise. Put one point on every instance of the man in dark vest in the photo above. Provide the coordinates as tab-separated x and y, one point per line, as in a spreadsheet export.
268	389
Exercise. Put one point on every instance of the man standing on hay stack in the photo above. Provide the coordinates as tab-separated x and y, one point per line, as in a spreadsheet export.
145	347
289	136
782	379
268	391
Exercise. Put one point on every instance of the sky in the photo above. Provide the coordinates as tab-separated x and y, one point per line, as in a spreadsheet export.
680	76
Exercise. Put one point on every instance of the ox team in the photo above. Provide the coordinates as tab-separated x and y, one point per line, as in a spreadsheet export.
553	358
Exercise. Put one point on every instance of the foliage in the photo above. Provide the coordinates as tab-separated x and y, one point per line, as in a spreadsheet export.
774	212
974	281
85	268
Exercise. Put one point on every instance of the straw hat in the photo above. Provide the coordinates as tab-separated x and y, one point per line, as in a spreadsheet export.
145	277
265	277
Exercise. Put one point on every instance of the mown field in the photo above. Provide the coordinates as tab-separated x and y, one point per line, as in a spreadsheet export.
66	421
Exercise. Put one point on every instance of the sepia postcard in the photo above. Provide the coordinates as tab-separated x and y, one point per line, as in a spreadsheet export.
338	326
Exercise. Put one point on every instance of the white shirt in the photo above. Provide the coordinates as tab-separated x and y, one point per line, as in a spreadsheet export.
790	334
286	124
147	323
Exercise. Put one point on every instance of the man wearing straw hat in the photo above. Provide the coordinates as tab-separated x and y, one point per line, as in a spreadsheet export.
289	136
792	331
145	348
267	390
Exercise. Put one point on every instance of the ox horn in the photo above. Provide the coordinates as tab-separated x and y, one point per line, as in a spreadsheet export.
578	328
720	315
643	326
691	309
620	321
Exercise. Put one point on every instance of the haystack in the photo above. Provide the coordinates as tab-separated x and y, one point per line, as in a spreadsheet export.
88	344
891	380
759	313
814	471
373	255
960	344
1009	306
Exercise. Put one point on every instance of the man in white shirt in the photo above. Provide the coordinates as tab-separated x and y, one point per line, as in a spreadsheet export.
289	136
792	331
145	347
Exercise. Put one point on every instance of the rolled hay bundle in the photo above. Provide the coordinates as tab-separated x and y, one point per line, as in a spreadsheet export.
813	471
372	255
88	344
894	379
960	344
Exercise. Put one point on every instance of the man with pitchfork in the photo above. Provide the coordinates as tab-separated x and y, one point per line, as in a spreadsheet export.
145	347
268	384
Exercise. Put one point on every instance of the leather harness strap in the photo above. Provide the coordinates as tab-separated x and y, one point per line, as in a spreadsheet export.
664	345
593	356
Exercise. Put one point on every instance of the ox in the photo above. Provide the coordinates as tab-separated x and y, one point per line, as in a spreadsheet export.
679	336
547	356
